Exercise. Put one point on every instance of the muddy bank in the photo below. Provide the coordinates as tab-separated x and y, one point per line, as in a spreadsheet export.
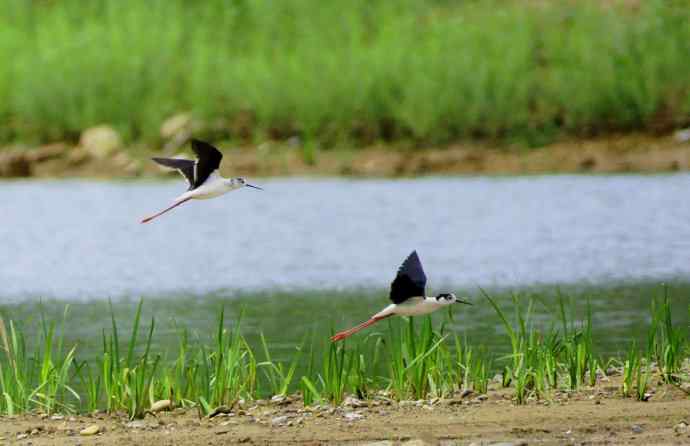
596	415
611	154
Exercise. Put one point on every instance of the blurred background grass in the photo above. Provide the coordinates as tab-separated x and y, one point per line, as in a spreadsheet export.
344	71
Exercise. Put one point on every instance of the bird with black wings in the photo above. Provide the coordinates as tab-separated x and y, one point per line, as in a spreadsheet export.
408	294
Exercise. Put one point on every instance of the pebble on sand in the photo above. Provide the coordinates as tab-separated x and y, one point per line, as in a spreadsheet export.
504	443
279	420
136	424
90	430
353	402
161	405
176	124
416	442
100	142
682	135
353	416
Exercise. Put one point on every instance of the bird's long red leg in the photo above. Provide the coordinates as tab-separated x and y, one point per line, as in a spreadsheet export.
148	219
347	333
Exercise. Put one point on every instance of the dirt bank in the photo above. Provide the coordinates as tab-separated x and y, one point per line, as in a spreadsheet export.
592	416
629	153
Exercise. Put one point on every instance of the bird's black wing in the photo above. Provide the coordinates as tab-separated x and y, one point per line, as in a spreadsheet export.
185	167
208	160
410	280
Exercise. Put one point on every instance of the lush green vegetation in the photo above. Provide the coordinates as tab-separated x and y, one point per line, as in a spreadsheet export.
408	359
428	71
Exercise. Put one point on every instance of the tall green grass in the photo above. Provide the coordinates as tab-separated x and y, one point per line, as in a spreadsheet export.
35	380
430	71
407	360
543	359
127	381
278	375
228	373
665	339
637	370
415	359
578	348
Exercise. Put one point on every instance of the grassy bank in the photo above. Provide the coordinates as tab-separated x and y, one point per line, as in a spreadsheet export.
427	71
404	360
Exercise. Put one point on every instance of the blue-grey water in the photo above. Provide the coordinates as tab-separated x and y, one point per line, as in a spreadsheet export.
82	239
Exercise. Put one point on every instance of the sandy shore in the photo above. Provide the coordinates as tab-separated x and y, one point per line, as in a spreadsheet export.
610	154
596	415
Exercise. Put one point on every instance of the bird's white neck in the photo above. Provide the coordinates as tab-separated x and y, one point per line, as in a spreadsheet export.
220	182
414	306
214	186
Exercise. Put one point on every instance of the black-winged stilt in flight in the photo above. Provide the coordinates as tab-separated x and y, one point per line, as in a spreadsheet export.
408	296
201	175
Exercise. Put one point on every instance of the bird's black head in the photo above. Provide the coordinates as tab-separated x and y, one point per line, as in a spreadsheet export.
451	298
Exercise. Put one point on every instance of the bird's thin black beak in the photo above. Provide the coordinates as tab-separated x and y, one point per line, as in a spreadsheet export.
458	301
251	185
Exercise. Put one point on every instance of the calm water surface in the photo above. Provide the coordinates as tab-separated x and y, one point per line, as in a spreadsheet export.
82	240
307	251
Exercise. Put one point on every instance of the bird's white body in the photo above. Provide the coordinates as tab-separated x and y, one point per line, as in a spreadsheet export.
415	306
213	187
408	291
408	296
